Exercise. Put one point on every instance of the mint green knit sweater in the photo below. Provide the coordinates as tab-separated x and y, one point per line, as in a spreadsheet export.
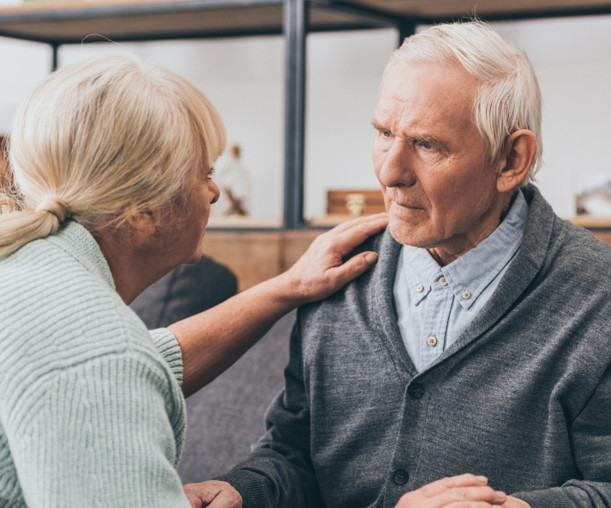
91	411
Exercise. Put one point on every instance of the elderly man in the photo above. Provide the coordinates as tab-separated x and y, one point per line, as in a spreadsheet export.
476	355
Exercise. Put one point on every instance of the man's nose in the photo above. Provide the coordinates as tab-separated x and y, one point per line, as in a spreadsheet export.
397	166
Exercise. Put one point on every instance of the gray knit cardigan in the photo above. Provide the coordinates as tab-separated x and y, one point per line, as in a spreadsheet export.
523	396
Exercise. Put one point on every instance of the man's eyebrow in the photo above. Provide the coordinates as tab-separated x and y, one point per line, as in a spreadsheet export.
376	124
427	138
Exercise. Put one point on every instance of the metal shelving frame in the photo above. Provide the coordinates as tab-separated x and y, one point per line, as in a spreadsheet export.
68	22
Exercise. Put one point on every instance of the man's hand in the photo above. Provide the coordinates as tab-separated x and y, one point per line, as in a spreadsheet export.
464	491
514	502
213	494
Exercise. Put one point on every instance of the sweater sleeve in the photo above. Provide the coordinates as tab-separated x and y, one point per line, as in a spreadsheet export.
98	433
591	441
279	472
168	348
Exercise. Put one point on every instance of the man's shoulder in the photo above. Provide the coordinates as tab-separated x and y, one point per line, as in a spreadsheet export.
373	243
556	242
358	293
388	250
579	244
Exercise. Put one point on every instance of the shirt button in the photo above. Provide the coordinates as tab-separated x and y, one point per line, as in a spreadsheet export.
400	477
415	391
443	281
466	295
420	288
432	341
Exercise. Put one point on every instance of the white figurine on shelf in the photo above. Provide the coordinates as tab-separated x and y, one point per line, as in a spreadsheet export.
234	182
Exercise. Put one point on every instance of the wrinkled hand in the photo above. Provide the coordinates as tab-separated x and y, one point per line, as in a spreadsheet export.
514	502
464	491
322	271
213	494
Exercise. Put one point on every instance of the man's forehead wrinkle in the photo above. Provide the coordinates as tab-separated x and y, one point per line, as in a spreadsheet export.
408	119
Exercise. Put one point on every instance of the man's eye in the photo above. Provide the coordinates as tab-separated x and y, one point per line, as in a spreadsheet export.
424	144
210	175
385	133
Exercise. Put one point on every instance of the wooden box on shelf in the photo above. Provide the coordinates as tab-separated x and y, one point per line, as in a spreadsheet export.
349	203
354	202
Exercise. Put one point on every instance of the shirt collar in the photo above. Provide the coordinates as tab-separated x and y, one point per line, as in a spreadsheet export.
469	275
420	271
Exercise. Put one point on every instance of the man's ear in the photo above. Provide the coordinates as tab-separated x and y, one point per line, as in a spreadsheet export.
518	155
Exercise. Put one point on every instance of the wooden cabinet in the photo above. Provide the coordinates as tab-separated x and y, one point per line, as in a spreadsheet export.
255	256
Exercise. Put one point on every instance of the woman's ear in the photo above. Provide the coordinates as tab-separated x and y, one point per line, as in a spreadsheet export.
518	155
142	222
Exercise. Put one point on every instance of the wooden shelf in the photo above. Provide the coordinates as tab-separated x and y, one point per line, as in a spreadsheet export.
133	20
248	222
65	22
440	10
599	226
592	222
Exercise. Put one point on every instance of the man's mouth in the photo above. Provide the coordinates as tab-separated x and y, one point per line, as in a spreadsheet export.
406	205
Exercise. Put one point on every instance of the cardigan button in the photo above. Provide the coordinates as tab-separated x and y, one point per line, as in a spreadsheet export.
415	391
400	477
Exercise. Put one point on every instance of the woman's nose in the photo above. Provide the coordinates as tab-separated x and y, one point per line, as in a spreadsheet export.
215	191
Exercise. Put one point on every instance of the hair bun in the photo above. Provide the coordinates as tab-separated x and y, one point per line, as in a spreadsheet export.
55	206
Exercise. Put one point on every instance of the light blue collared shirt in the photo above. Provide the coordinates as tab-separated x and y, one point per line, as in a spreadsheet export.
435	304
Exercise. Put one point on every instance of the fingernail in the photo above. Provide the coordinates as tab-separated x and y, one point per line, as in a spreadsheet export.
482	479
371	258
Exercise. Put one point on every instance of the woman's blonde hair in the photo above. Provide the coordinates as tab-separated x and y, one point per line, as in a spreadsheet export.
509	97
98	137
6	178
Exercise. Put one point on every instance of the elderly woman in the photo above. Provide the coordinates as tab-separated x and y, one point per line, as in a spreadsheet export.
113	164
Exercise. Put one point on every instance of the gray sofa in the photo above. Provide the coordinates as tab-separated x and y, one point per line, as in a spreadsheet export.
226	417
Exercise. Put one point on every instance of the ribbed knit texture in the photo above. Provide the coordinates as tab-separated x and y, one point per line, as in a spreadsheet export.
91	411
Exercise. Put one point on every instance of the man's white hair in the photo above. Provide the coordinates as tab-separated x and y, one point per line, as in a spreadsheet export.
509	97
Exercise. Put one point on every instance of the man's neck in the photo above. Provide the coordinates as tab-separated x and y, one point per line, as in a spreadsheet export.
444	254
